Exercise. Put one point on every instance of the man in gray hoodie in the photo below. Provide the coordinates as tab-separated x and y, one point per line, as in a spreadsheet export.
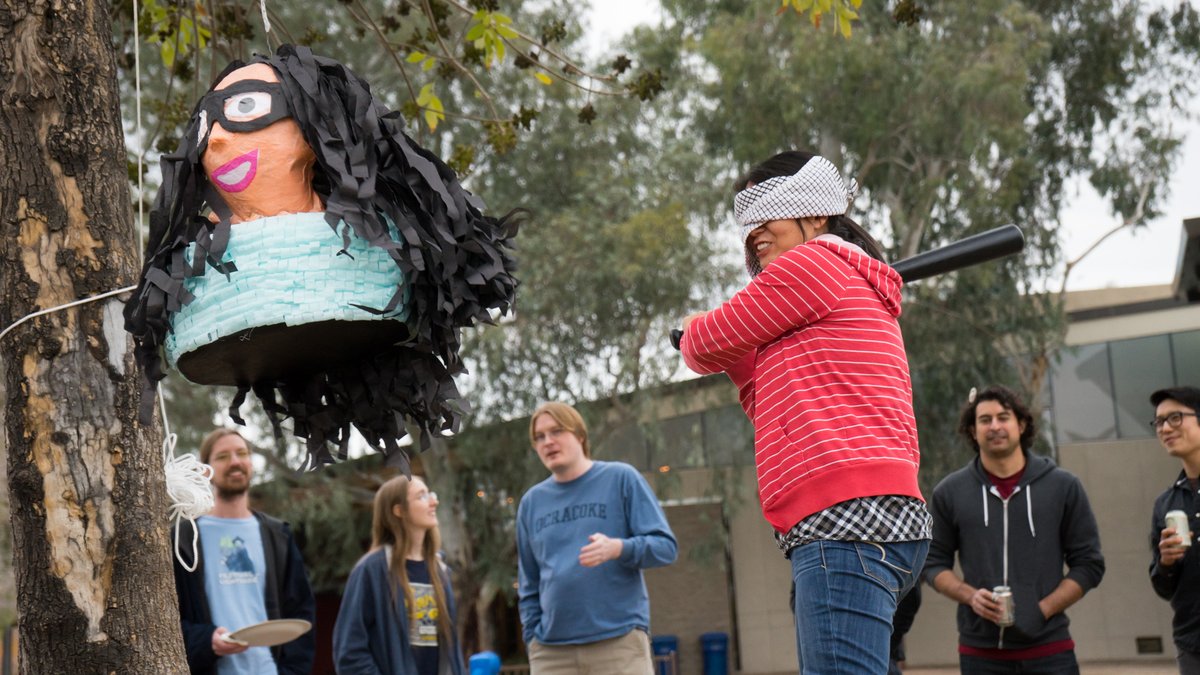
1014	519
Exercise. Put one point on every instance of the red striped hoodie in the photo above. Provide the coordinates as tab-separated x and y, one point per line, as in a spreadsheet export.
813	345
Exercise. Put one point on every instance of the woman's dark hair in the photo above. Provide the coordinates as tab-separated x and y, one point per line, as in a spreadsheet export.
788	164
1008	399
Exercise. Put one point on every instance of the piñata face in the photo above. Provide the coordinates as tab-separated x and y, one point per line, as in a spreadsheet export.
251	148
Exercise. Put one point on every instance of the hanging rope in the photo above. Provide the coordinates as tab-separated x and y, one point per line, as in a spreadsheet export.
262	4
187	479
137	99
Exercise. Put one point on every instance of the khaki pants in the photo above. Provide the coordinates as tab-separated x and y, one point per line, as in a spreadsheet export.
625	655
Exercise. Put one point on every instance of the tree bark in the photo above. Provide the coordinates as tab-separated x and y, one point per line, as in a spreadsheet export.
91	551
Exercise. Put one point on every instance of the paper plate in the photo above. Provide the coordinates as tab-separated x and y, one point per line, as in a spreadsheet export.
271	633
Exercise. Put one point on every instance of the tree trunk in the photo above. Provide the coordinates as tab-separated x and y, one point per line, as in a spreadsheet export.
94	587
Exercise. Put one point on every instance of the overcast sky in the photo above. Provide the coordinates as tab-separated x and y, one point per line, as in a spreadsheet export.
1147	256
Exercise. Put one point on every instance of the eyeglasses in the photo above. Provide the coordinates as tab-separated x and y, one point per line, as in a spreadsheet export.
1173	420
426	497
248	105
543	436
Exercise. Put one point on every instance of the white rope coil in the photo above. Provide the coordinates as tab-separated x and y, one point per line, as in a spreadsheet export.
188	488
189	491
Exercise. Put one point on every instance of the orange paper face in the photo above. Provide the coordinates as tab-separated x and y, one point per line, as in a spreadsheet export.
265	172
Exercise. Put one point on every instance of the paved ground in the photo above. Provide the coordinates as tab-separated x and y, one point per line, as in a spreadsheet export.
1140	668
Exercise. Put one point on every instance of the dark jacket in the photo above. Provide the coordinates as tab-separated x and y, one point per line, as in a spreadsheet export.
287	595
1179	583
371	633
1021	542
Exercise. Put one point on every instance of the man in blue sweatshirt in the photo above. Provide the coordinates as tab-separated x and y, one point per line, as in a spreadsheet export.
1016	520
584	535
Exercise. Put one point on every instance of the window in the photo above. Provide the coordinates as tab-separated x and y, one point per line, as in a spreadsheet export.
728	436
1185	348
1083	397
1139	367
626	444
679	442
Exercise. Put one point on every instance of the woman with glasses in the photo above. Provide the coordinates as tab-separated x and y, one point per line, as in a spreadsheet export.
397	614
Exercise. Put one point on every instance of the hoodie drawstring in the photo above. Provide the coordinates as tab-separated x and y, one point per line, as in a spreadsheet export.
983	493
1029	508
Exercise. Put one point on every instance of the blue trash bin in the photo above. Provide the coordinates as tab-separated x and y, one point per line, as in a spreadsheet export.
663	645
484	663
715	647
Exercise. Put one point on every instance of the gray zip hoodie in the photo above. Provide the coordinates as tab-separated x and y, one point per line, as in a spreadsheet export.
1021	542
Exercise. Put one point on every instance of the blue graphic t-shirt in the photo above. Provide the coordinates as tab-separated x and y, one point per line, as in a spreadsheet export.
422	632
235	574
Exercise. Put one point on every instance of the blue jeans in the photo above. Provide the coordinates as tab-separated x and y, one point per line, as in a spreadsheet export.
846	594
1062	663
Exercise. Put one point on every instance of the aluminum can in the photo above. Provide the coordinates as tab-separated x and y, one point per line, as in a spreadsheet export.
1179	521
1003	595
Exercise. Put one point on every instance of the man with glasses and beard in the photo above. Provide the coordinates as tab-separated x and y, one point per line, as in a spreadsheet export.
246	569
1174	570
1015	520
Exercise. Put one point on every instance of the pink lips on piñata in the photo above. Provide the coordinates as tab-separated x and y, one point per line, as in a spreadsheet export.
236	174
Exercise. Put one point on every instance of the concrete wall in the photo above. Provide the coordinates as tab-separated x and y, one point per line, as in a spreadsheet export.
1126	326
692	596
762	582
1122	479
740	588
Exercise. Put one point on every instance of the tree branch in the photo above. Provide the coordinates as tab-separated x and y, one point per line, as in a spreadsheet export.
1138	214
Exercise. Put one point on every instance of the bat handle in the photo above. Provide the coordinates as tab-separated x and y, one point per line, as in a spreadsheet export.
676	336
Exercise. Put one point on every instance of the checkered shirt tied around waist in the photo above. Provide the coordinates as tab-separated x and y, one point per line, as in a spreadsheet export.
882	519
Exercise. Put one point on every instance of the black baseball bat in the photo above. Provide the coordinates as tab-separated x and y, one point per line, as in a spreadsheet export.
975	249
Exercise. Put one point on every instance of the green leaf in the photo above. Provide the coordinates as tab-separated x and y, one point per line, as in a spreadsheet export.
167	50
434	113
431	106
543	78
416	56
428	64
425	94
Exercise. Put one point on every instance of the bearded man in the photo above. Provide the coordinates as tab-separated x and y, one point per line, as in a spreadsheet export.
1016	520
246	569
